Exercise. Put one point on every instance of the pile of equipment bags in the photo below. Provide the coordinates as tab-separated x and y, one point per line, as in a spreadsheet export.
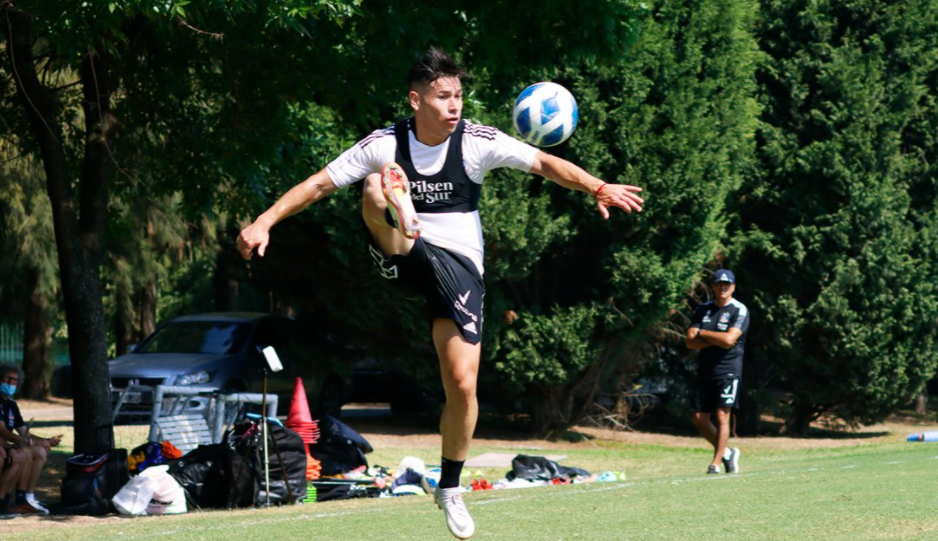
223	475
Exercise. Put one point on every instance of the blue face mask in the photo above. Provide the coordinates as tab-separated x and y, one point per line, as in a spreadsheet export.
7	390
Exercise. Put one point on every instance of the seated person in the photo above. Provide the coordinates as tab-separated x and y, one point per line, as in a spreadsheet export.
23	450
12	472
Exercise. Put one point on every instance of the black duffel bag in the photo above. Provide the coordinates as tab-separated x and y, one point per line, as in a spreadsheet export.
244	465
91	480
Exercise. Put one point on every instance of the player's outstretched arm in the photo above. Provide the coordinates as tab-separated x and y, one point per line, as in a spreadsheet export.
304	194
568	175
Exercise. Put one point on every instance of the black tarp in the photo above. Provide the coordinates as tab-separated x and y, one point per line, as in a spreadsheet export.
202	474
327	490
340	448
538	468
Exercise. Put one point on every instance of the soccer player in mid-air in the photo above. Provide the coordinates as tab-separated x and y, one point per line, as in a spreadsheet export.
423	177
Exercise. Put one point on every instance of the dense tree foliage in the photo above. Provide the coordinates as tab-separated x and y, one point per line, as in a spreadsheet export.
102	46
326	244
163	127
675	115
29	290
836	230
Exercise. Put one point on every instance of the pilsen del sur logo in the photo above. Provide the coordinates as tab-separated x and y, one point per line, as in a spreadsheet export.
431	192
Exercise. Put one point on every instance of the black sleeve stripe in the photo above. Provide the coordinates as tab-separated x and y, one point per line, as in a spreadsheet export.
375	135
480	128
483	132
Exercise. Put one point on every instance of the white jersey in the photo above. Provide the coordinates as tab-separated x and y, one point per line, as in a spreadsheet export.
483	149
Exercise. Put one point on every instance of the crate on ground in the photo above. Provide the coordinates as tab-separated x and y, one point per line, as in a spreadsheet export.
186	431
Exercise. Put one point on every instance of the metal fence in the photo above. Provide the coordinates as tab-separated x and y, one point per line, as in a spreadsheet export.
11	346
11	343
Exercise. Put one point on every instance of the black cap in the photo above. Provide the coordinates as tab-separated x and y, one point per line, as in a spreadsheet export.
724	275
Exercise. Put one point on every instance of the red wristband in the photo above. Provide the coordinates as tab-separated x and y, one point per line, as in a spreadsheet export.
600	189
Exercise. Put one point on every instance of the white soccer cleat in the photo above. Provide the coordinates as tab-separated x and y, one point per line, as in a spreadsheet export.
396	191
458	521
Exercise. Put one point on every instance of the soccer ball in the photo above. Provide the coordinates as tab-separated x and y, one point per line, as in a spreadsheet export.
545	114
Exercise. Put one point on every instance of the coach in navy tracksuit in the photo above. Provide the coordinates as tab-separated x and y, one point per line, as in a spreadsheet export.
718	330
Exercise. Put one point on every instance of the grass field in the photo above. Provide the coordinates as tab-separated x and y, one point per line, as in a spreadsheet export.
879	488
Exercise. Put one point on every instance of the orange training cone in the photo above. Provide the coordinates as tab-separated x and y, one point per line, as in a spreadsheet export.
313	467
299	407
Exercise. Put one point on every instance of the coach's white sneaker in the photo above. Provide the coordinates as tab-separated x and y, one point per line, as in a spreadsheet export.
457	516
731	464
396	191
36	504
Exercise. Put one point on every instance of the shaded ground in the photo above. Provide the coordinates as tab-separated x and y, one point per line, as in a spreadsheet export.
54	409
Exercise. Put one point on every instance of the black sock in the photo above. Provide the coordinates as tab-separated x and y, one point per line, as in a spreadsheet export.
20	496
5	501
449	472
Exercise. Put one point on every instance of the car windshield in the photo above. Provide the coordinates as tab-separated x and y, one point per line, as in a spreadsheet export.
211	337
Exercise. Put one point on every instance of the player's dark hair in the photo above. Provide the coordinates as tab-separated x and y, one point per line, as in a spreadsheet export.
434	64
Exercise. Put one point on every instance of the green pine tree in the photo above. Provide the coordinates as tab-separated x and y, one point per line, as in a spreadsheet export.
836	231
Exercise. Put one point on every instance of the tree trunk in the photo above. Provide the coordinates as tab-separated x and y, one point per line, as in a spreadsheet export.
146	309
921	402
134	321
550	411
37	338
800	420
749	416
78	225
224	281
123	330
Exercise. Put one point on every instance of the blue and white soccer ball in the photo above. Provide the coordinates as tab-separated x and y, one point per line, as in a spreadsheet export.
545	114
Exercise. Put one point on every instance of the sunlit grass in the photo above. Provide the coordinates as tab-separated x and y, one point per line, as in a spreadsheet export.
883	490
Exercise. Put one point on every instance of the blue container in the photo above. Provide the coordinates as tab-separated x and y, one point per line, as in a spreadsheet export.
923	436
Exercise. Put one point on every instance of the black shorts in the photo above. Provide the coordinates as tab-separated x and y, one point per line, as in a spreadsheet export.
711	394
450	282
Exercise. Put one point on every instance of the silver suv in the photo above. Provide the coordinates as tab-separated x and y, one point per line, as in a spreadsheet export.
222	351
